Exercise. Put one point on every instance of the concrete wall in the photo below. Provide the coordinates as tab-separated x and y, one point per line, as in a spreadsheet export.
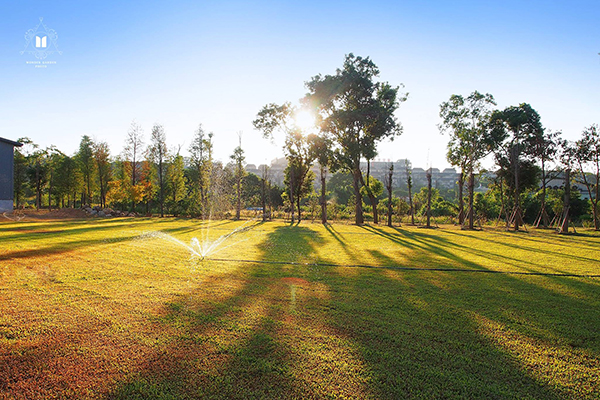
6	172
6	205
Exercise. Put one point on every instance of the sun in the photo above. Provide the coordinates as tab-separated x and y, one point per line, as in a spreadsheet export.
305	120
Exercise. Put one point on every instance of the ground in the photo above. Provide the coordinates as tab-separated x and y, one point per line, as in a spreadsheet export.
106	308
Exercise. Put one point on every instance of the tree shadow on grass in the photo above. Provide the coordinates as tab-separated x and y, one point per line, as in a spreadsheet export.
454	334
228	340
364	333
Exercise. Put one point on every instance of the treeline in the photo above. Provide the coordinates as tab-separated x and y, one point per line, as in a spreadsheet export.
144	178
353	114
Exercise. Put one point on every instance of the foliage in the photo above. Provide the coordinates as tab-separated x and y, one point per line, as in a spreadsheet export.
158	155
587	157
201	163
357	112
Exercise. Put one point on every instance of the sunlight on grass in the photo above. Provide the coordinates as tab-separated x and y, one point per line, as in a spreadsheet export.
97	308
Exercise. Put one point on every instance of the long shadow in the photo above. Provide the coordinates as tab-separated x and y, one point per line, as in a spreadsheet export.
423	243
429	344
529	248
230	347
61	248
41	231
374	333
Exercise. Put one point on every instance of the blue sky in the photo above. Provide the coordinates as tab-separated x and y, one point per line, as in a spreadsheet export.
217	63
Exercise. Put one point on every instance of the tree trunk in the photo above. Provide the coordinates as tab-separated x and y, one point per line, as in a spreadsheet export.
358	211
299	210
374	203
323	197
471	198
517	211
564	228
238	206
372	199
410	203
429	199
292	191
545	219
389	216
50	193
264	203
461	205
162	187
38	187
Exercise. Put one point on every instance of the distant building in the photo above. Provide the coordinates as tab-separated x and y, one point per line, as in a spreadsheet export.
378	169
7	159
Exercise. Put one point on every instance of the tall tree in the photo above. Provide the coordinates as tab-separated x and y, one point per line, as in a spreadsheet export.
544	147
238	158
37	171
132	152
103	166
358	113
201	160
587	156
409	184
85	159
515	126
20	170
389	183
158	155
567	156
53	161
176	178
68	181
467	122
321	149
274	118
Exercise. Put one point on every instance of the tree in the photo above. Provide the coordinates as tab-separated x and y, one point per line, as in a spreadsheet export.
132	152
341	187
357	112
103	166
567	156
409	184
515	126
85	159
321	149
158	155
238	158
544	147
201	160
389	182
281	118
467	121
37	171
176	179
53	160
587	156
68	180
20	170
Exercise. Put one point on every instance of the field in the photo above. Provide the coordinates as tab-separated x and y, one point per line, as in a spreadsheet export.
105	309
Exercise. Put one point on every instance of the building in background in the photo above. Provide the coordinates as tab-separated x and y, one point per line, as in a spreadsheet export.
7	159
379	169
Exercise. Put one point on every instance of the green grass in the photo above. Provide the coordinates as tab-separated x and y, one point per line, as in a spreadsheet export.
95	309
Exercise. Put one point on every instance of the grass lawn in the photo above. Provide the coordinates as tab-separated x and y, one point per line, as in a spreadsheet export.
99	309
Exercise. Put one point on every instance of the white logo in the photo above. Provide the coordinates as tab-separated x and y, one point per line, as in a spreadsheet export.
41	41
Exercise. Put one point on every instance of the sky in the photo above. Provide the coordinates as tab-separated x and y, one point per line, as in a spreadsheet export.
181	64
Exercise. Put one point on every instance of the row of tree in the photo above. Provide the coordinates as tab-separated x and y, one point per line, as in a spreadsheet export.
143	178
353	114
